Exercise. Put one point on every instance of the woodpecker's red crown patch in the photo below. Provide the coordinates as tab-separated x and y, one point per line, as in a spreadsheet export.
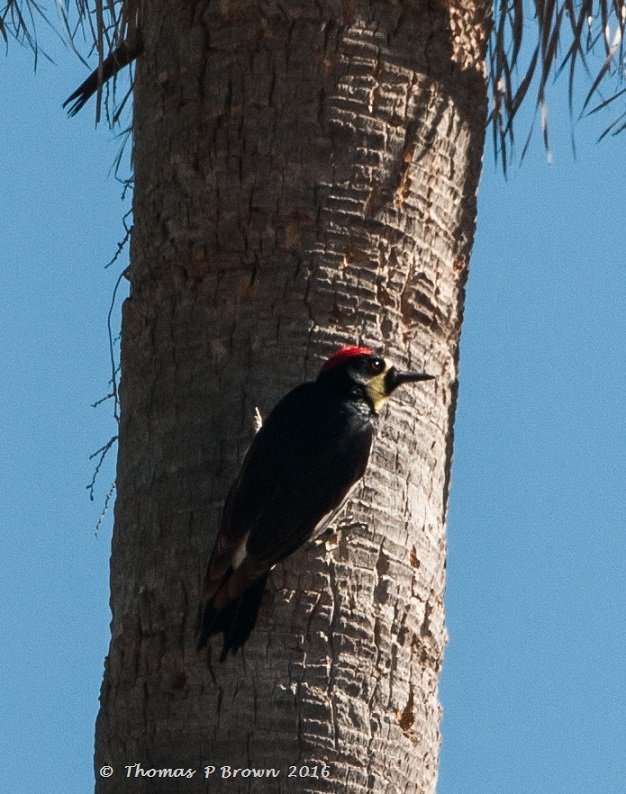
346	352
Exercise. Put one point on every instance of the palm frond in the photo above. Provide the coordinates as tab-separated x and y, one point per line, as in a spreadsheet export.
568	35
99	26
532	42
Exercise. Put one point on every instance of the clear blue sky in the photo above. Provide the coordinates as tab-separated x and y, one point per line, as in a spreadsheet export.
534	686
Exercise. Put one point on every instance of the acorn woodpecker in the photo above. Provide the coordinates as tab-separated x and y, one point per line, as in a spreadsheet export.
306	457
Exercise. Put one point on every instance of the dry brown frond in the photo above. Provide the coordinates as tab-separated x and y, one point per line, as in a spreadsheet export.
531	44
18	20
97	25
568	33
106	26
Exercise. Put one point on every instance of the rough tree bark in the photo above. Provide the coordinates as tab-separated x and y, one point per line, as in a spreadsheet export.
306	177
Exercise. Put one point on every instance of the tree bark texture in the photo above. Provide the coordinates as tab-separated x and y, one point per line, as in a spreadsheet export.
305	177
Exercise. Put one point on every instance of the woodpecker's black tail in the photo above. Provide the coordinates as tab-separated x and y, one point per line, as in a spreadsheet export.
235	621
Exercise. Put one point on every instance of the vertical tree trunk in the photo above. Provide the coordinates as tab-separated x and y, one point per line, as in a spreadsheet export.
305	177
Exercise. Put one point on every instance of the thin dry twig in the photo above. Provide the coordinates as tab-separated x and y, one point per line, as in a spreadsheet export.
102	453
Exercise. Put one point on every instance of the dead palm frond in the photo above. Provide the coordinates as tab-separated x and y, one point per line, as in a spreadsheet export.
103	26
531	44
552	36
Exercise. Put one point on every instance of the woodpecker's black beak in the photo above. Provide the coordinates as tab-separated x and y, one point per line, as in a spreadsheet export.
394	378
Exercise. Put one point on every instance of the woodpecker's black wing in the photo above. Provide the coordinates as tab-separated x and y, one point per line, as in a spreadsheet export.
309	452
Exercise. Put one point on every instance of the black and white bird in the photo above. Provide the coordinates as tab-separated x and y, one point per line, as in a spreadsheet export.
310	451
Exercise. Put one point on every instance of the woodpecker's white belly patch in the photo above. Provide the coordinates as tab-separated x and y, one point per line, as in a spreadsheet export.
329	517
240	553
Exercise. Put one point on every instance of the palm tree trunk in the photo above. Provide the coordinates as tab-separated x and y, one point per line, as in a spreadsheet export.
305	177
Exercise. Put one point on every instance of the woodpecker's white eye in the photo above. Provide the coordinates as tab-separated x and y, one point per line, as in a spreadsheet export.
376	365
